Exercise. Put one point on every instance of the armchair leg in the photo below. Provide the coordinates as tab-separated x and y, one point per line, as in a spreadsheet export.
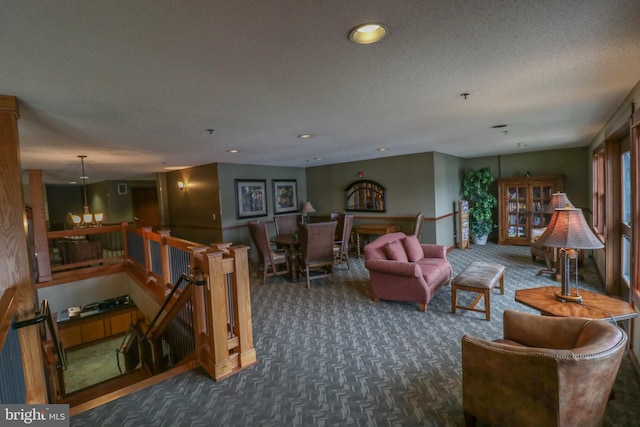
423	307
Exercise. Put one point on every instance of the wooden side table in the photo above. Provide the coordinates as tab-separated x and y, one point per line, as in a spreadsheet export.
594	306
373	229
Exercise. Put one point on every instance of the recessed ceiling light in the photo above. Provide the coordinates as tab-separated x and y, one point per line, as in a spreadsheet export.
382	149
305	136
317	158
233	151
368	33
73	182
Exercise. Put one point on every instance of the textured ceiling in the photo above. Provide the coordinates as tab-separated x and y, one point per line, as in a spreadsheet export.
134	85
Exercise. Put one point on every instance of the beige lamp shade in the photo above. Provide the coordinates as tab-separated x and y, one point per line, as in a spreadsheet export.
568	229
308	208
558	201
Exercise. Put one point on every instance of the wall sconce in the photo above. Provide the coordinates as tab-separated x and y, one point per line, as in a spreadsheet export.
182	185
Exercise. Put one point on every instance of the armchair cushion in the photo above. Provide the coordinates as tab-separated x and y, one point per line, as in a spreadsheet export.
395	251
412	248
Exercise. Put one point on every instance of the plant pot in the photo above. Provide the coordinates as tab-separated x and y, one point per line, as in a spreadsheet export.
479	240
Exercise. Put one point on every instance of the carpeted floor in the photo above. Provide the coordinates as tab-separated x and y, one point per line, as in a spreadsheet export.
329	356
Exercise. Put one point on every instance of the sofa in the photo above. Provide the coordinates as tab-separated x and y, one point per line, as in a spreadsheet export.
403	269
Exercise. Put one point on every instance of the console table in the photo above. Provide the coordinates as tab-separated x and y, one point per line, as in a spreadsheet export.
375	229
594	306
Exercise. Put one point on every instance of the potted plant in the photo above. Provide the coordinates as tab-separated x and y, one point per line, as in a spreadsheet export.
475	188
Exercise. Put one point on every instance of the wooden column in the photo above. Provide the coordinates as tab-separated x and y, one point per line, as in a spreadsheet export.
242	304
39	225
14	253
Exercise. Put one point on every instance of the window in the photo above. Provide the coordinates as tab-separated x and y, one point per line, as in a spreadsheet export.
599	200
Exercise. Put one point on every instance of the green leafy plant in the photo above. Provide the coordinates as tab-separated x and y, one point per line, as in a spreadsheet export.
475	188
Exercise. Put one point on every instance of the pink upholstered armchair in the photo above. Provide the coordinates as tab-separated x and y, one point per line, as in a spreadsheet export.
402	269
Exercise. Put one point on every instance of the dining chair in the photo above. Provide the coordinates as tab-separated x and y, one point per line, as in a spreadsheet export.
417	226
316	242
341	244
286	224
271	260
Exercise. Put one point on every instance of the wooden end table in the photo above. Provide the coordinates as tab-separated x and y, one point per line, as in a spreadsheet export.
377	229
594	306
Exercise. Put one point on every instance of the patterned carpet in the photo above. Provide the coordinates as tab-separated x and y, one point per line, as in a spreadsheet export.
329	356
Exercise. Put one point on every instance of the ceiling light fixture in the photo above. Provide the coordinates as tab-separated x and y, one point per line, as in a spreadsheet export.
87	219
233	151
382	149
305	136
368	33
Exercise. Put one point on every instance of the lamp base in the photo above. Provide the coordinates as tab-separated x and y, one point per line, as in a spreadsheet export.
569	297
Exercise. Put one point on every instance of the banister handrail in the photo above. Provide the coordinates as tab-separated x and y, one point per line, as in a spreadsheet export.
183	278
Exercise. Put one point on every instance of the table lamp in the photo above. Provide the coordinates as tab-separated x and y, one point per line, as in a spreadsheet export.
306	210
568	231
558	201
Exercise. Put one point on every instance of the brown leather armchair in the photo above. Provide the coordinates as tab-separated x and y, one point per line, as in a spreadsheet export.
546	371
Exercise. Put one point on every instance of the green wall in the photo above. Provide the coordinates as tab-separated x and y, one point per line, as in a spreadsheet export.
431	183
210	192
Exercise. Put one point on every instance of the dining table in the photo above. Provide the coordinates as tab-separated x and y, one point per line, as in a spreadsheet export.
291	245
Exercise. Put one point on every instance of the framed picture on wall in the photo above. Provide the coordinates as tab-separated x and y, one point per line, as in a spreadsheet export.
251	198
285	196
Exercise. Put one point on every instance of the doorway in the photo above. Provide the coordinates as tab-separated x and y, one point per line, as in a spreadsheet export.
146	210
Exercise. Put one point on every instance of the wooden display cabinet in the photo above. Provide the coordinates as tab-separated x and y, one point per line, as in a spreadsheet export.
521	205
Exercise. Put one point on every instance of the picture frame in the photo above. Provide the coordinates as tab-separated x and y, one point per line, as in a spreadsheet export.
251	198
285	195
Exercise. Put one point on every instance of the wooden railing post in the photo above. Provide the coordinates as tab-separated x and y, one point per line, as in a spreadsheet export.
147	250
14	261
218	365
40	240
164	257
242	305
199	301
123	226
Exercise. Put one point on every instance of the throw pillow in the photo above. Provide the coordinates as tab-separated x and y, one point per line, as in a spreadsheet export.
395	251
413	248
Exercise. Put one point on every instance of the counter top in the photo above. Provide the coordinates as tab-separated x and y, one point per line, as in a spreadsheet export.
100	307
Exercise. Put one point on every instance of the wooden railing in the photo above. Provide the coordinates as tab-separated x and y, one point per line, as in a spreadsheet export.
219	311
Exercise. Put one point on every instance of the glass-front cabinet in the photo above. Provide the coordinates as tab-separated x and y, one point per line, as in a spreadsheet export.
522	202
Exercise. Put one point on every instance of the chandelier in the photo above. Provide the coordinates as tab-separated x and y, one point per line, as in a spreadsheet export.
87	219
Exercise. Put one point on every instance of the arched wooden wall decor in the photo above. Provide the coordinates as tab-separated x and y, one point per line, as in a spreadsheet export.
366	196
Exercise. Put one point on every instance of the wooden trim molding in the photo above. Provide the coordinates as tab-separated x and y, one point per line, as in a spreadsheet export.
14	258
